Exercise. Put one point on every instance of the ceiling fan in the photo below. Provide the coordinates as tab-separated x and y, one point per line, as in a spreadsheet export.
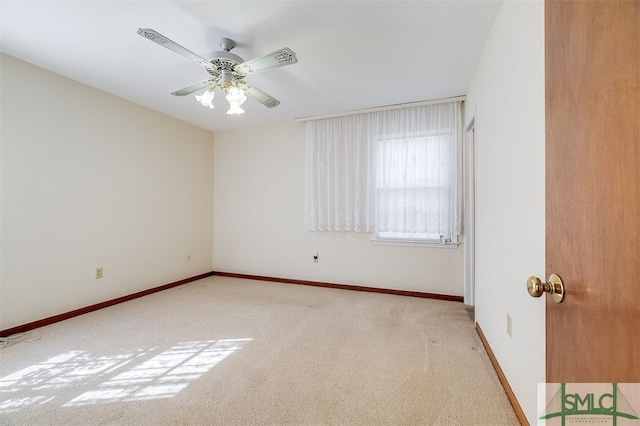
227	71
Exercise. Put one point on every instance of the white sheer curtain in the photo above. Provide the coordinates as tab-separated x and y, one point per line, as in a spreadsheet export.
338	192
417	168
394	172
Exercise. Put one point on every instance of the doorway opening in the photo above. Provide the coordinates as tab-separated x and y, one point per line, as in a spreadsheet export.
469	219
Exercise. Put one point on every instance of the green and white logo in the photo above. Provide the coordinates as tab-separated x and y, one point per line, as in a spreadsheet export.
616	404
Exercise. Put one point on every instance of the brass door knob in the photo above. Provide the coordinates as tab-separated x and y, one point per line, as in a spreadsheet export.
554	287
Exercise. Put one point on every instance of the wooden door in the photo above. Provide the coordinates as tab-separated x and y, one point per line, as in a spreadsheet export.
593	189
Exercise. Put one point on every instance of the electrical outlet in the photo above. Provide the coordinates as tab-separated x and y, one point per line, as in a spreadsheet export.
98	273
509	325
315	257
188	257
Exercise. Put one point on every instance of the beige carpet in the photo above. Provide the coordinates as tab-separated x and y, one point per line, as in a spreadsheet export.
226	351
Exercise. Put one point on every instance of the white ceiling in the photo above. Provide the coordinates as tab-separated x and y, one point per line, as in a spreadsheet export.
351	54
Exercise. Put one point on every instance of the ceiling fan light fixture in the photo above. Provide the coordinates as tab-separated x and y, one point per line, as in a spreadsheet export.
226	71
206	99
235	97
226	80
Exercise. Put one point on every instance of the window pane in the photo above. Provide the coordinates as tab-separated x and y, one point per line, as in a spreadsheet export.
413	187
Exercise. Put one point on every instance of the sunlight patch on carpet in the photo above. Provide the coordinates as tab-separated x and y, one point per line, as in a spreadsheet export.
140	374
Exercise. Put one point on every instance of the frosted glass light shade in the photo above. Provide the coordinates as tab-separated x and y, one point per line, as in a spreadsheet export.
236	97
206	99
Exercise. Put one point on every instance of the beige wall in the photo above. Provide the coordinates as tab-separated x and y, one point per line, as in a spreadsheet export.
89	180
258	221
507	98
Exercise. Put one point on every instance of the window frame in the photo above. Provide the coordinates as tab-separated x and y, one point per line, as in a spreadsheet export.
452	243
409	239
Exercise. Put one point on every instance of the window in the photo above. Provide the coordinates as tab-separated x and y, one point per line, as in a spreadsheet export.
414	188
393	173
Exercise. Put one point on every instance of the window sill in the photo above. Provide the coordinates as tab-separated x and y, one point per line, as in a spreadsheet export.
415	243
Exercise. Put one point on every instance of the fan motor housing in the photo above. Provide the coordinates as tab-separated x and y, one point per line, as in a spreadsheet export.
226	61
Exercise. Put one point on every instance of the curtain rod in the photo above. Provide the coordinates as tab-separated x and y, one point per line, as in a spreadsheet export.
382	108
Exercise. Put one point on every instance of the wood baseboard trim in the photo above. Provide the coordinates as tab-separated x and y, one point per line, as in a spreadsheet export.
503	379
61	317
342	286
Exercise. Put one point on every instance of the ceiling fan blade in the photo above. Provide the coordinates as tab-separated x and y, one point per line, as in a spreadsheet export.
163	41
262	97
194	87
279	58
